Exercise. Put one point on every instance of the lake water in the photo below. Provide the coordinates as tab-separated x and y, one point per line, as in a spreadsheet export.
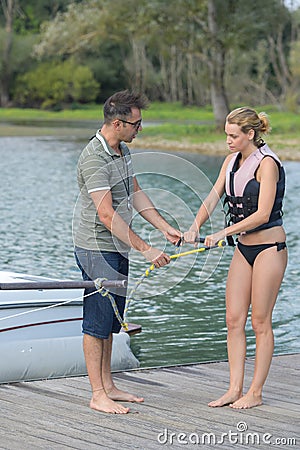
180	307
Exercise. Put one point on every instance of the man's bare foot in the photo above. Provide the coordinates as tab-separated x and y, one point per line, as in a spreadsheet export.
249	400
101	402
122	396
226	399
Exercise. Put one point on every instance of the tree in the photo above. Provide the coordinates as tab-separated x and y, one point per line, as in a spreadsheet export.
54	85
192	51
293	94
82	32
216	63
21	21
8	7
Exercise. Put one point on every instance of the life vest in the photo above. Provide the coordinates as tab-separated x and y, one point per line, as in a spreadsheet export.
242	188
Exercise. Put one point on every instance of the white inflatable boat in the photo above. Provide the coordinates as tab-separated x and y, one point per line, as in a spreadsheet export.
40	330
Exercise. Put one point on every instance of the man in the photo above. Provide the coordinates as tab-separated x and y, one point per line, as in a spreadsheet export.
104	237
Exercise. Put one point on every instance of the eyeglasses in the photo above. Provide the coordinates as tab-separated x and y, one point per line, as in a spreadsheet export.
136	124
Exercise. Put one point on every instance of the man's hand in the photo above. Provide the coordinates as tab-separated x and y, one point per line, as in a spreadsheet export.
172	235
156	257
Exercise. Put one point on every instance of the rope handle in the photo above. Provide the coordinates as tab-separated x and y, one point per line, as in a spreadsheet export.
204	248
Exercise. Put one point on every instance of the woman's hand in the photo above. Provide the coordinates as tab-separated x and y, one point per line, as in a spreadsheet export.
190	237
213	239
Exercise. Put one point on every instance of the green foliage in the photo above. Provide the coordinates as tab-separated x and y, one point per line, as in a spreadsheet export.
161	47
291	102
107	66
53	85
85	88
30	14
295	60
175	122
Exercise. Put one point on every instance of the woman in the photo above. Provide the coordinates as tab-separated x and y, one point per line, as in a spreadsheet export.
254	181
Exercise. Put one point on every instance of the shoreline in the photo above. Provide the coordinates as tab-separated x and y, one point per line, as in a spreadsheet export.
286	149
290	153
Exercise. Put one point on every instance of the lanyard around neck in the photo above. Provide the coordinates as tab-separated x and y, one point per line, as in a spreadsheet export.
124	180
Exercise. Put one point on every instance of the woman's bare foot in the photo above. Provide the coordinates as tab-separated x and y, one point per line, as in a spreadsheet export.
116	394
101	402
228	398
249	400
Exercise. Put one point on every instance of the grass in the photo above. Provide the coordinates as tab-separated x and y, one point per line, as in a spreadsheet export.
22	114
176	122
157	111
193	133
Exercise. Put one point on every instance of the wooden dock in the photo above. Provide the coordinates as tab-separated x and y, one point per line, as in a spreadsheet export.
54	414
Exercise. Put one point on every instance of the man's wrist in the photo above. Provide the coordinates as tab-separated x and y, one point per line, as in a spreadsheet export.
145	248
139	244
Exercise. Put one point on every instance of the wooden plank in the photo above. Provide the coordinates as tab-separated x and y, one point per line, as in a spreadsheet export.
54	414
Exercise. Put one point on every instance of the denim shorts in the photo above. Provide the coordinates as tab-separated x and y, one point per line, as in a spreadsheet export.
99	319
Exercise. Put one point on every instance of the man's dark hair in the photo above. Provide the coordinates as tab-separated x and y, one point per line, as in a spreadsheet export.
119	105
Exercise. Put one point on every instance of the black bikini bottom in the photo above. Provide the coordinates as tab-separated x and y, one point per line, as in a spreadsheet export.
250	252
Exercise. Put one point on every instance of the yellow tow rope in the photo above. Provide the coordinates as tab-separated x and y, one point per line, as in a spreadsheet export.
147	272
189	252
105	293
